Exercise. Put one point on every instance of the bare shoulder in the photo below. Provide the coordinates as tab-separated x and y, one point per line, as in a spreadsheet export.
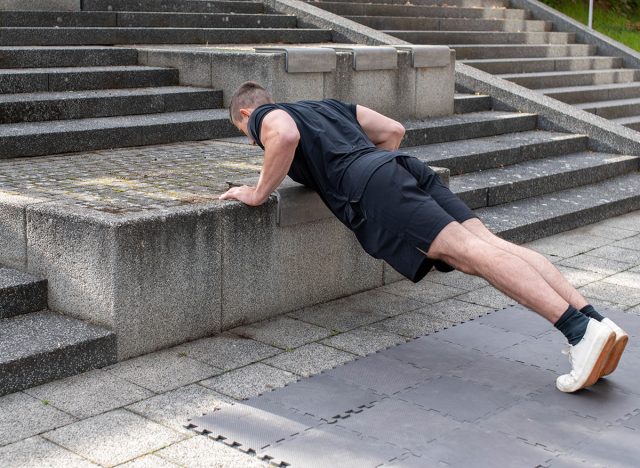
279	123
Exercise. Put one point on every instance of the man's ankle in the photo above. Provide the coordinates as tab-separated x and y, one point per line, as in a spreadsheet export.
573	325
590	312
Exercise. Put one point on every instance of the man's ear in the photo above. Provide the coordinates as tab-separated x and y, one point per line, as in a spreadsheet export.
245	112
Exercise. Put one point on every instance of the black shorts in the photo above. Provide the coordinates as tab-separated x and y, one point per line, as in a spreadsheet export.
403	208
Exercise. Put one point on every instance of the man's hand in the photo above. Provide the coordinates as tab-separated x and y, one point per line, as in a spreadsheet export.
245	194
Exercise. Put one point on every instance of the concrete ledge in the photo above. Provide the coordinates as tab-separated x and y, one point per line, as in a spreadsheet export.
427	56
306	60
40	5
372	58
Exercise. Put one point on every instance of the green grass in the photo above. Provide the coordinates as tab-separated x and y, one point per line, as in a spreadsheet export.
623	28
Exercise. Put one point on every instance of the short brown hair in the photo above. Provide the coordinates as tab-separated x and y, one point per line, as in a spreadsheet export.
249	95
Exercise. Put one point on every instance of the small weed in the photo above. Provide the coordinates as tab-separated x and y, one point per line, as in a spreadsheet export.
45	402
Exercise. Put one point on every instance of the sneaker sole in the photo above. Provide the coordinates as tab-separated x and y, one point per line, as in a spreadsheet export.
615	355
600	363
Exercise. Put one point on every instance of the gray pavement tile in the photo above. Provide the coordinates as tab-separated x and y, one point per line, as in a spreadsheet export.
517	319
412	324
114	437
380	373
149	461
614	293
283	332
459	399
400	423
174	408
424	291
484	338
602	230
600	304
534	422
579	278
202	452
357	310
579	239
162	371
606	266
557	247
614	447
23	416
310	359
456	279
364	340
435	357
628	279
36	452
249	381
630	221
617	253
227	351
632	243
89	394
489	297
634	310
454	310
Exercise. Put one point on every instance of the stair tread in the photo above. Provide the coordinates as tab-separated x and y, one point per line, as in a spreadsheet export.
10	278
535	59
566	73
98	69
627	120
609	103
631	84
464	119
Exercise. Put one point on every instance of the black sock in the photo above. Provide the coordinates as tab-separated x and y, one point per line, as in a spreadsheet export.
573	325
589	311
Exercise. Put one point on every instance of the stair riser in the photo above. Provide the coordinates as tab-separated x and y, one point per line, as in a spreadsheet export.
149	20
173	6
364	9
616	112
453	38
498	195
441	24
57	364
479	52
418	137
580	96
38	111
634	126
70	81
23	299
449	3
72	140
539	66
112	36
25	58
586	79
479	104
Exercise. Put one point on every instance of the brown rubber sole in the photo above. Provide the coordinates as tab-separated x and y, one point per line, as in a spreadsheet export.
615	355
602	360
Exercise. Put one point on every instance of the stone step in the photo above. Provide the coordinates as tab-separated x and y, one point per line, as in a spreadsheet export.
573	78
141	19
632	122
465	103
29	80
613	109
532	65
534	178
21	293
374	9
36	107
179	6
43	346
445	3
545	215
465	126
63	136
452	38
117	35
480	154
56	56
579	94
412	23
494	51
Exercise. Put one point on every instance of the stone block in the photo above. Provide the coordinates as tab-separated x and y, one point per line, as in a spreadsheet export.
298	204
36	451
40	5
194	67
13	236
305	59
428	56
434	90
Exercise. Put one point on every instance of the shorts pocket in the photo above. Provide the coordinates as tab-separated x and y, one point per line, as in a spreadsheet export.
354	215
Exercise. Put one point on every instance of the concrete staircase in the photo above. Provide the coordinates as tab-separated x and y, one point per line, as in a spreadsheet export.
510	43
37	345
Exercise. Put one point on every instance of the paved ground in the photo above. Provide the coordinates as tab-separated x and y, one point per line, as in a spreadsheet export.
133	413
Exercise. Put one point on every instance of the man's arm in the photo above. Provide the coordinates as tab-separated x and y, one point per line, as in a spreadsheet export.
279	136
384	132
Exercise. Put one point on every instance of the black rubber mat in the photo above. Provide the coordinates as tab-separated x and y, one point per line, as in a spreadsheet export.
478	394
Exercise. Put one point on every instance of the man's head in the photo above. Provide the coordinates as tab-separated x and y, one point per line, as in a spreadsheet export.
246	98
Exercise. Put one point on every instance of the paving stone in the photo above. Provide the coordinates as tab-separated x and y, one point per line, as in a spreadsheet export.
489	297
456	279
149	461
580	239
283	332
612	293
602	230
424	291
357	310
23	416
615	447
412	324
602	265
310	359
36	452
617	253
471	403
89	394
227	351
454	310
364	340
114	437
556	247
627	279
162	371
174	408
630	221
202	452
634	310
517	319
249	381
579	278
632	243
484	338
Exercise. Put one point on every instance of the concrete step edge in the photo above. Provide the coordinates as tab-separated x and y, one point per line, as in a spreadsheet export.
21	293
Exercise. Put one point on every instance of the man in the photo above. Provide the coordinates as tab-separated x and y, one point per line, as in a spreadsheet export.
401	212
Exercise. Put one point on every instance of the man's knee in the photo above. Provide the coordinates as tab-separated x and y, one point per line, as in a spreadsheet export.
456	246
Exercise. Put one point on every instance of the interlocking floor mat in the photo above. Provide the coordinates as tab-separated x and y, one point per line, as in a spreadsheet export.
478	394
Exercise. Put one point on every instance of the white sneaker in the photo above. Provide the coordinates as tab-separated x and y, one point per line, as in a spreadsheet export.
587	357
618	347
